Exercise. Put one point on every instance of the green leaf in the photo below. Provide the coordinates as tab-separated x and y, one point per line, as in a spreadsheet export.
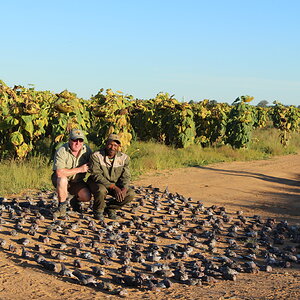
16	138
28	124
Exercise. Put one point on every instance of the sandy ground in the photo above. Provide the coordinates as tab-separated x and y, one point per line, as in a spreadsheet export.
269	188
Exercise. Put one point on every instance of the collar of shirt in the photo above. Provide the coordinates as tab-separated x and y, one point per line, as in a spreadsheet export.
109	161
83	149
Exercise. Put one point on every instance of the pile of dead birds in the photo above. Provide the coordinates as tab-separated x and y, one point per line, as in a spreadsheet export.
162	238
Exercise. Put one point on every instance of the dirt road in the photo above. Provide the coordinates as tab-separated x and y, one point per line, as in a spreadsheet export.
270	188
267	187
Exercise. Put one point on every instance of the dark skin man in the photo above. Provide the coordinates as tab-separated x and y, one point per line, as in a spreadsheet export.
111	149
110	175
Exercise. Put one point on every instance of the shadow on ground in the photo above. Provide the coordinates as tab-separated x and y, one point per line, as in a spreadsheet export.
285	201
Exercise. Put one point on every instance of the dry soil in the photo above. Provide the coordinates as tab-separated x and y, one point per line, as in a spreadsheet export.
270	188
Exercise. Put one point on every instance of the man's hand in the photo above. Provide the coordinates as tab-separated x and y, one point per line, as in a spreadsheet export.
84	168
118	193
70	172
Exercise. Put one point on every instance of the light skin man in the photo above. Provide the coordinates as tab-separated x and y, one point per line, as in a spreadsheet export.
70	166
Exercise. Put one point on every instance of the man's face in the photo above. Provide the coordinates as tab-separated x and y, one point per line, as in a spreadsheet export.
76	145
111	148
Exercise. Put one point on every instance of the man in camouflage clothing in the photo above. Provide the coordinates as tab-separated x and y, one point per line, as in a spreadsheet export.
110	174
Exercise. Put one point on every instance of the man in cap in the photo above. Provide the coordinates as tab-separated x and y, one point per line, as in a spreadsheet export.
110	174
69	169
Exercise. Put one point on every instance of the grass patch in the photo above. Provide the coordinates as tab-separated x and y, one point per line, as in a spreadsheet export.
16	176
268	141
149	156
35	172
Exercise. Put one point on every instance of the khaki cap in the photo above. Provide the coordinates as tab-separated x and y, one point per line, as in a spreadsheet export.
114	137
76	134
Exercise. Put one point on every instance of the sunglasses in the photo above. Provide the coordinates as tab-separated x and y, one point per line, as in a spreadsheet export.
77	140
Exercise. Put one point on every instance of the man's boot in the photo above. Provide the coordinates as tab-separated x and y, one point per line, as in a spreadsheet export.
75	204
61	211
111	213
98	215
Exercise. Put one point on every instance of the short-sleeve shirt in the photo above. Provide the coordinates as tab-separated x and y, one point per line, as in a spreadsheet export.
64	159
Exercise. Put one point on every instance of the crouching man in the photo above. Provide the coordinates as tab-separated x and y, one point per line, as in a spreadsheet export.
110	174
69	169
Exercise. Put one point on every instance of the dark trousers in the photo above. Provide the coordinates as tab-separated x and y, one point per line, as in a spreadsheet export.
100	192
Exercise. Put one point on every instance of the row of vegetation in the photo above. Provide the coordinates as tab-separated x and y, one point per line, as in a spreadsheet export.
35	171
29	117
159	133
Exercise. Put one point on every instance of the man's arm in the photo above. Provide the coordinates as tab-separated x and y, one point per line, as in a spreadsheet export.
59	165
70	172
97	172
125	177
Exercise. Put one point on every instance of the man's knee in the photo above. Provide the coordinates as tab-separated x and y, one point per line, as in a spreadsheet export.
58	181
130	193
84	195
97	189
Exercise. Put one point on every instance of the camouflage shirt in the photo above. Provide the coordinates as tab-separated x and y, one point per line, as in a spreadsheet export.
108	172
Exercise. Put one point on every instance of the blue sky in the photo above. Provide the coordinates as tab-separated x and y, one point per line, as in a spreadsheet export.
197	50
